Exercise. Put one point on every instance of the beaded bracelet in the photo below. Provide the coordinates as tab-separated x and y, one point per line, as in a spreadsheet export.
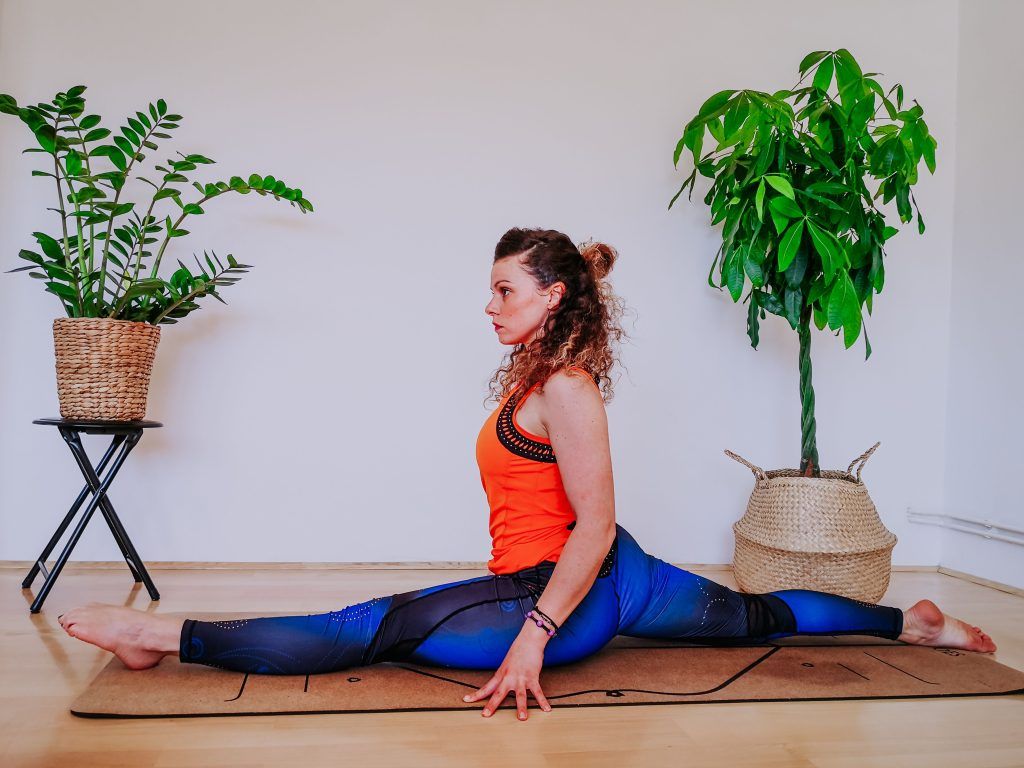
545	616
539	623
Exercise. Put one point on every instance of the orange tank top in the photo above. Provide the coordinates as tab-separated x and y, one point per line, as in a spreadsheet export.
531	516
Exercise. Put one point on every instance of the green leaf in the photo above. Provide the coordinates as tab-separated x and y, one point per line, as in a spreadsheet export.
780	221
50	246
928	151
795	274
794	303
786	207
115	155
193	209
89	121
754	270
772	303
32	256
62	290
789	245
826	249
837	301
256	181
851	317
47	137
823	77
820	320
124	145
163	193
759	200
96	135
73	163
714	103
811	59
137	127
734	275
753	324
888	157
781	184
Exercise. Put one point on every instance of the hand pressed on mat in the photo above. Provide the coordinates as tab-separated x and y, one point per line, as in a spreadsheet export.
519	672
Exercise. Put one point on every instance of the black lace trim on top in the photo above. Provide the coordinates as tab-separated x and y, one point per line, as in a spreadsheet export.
516	441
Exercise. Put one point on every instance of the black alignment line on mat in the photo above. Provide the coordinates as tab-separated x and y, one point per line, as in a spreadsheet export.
718	687
858	674
770	644
305	688
431	674
244	679
929	682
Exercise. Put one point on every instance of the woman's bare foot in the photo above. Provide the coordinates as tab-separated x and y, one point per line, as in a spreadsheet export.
138	639
925	624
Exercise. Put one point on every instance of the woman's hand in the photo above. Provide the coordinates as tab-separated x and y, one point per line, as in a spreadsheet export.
519	672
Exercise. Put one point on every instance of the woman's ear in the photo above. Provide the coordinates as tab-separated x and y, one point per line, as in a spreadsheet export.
557	291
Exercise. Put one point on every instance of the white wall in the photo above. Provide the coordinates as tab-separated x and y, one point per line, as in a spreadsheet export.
330	412
985	417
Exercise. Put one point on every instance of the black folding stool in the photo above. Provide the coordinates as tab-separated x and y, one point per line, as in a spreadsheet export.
126	435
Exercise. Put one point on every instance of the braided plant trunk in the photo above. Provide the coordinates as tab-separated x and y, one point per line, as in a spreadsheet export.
808	428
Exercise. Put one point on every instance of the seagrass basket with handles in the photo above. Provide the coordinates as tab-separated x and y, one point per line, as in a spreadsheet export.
103	367
821	533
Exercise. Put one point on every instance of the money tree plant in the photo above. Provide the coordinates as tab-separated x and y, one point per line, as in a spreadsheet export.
96	262
796	176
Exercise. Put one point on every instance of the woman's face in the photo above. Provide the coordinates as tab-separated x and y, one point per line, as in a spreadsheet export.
518	307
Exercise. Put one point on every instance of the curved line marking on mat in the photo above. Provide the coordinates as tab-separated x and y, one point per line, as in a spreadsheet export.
244	680
619	691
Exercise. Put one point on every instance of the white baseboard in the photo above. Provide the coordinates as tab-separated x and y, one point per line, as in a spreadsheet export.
426	565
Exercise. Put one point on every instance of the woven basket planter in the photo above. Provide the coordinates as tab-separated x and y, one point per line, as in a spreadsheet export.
103	367
821	533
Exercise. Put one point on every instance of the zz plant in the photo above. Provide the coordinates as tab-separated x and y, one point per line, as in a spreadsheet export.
791	187
96	263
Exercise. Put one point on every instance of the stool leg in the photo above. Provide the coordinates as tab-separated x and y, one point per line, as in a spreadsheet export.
41	560
74	442
131	556
94	502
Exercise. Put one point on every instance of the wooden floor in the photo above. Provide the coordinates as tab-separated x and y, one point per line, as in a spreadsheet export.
42	670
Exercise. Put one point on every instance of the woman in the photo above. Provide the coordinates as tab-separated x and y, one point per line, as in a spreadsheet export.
565	578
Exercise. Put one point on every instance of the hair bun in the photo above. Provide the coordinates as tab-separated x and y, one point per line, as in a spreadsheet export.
599	257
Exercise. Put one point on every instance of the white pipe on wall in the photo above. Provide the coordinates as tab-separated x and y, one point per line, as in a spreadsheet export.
984	528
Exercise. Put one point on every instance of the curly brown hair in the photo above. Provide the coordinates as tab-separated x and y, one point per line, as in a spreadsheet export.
581	328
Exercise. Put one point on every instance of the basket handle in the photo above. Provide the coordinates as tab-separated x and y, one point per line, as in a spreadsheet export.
758	472
863	459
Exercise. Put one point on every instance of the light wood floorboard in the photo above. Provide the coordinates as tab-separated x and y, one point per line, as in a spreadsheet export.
42	670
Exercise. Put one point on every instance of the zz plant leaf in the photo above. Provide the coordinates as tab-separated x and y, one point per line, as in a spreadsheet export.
96	262
796	175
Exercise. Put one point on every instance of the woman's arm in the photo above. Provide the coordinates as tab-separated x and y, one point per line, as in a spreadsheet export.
577	426
573	414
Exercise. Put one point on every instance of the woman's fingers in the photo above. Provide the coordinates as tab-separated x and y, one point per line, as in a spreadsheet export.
521	702
495	701
482	692
541	698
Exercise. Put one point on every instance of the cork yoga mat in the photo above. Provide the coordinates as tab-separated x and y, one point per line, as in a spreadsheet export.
626	671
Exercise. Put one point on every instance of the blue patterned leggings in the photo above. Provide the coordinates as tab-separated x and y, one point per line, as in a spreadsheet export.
472	623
